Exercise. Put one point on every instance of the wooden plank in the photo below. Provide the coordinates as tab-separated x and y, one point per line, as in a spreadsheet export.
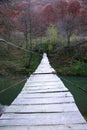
60	127
45	95
44	101
49	127
66	107
46	91
44	119
44	83
44	87
37	78
14	128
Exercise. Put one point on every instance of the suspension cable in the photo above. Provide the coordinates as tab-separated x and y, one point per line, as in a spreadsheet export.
74	84
26	50
2	91
9	43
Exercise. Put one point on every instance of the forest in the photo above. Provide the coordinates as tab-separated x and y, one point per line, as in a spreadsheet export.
28	28
58	28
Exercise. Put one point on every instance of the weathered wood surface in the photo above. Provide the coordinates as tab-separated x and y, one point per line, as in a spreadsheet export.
44	104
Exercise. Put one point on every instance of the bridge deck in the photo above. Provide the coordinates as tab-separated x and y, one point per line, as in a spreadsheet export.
44	104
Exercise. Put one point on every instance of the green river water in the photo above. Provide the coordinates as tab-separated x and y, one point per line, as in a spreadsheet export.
78	87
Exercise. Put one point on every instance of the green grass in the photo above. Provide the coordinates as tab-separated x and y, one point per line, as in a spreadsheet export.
75	68
72	83
7	96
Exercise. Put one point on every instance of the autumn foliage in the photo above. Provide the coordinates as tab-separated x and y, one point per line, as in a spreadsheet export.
24	16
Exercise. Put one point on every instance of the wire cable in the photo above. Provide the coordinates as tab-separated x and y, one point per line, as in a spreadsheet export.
2	91
9	43
84	90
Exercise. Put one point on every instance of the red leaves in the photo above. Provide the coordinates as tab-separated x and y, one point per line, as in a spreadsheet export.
74	7
61	7
6	18
83	19
43	14
65	8
49	14
21	5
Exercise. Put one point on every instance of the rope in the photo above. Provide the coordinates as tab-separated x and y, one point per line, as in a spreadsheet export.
9	43
84	90
12	86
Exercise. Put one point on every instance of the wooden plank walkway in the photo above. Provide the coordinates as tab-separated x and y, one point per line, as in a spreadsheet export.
44	104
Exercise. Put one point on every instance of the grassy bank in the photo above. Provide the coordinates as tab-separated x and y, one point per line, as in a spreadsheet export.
75	68
74	84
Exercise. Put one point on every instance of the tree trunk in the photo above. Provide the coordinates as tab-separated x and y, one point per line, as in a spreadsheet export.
68	41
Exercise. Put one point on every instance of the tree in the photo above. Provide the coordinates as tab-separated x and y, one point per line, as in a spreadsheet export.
68	23
61	9
52	37
67	26
49	14
82	22
6	21
74	8
4	1
23	23
52	34
82	19
38	21
84	4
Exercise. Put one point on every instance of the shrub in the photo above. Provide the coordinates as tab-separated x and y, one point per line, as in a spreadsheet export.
79	67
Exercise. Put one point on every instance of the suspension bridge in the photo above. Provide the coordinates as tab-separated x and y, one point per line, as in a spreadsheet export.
43	104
